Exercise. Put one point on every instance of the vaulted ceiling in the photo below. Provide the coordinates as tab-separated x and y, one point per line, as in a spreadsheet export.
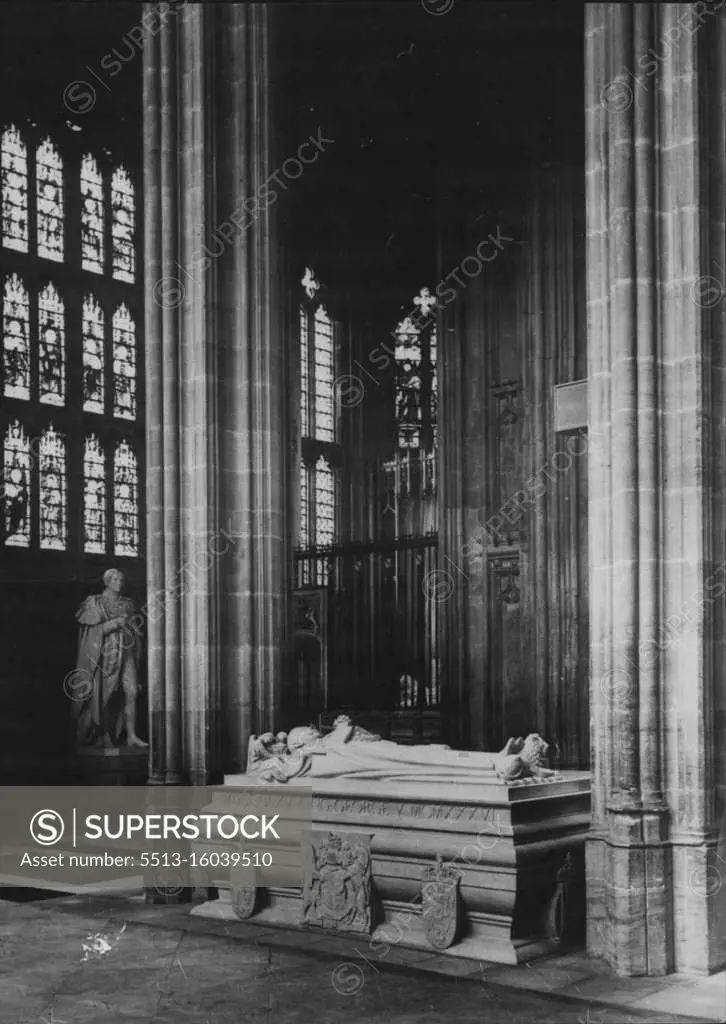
47	47
428	113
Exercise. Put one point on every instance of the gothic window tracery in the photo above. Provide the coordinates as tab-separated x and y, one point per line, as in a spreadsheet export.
94	385
125	500
49	198
53	491
16	485
14	187
51	347
123	208
416	376
93	220
94	497
16	339
124	364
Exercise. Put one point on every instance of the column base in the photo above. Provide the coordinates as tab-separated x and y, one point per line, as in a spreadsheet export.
629	886
699	907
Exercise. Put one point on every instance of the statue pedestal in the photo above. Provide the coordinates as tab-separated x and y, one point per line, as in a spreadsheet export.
112	766
519	848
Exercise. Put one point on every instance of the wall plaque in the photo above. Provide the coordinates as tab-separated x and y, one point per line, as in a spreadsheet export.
571	406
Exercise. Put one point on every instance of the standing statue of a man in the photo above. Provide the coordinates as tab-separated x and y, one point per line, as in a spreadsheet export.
106	680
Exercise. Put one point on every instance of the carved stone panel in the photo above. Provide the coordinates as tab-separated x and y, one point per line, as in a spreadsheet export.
338	895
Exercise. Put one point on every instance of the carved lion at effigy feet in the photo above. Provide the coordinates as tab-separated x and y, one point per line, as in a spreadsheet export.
523	759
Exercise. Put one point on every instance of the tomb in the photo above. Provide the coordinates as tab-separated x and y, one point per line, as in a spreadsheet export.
467	853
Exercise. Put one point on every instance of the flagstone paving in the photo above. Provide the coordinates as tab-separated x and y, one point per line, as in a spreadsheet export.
86	961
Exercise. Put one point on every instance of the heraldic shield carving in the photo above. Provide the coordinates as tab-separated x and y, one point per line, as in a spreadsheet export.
440	901
338	895
244	901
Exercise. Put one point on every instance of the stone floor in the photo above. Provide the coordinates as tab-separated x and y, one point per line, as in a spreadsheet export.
81	960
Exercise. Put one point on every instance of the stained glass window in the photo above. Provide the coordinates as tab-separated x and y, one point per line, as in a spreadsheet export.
320	452
92	216
53	491
123	210
16	479
51	348
51	361
124	364
49	190
125	501
304	505
416	376
324	382
94	497
324	503
304	374
16	339
93	356
433	355
14	182
408	384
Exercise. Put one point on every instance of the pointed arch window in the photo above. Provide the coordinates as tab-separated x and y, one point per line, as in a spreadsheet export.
94	497
93	221
14	188
123	211
53	491
16	339
51	347
16	485
49	196
416	376
125	500
320	453
124	364
94	385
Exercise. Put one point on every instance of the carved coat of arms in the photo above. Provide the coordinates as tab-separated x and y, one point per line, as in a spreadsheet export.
338	895
440	901
244	901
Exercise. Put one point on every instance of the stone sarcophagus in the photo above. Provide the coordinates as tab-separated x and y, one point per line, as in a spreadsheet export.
464	853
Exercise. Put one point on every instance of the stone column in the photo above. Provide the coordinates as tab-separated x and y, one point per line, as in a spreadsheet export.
460	581
254	396
216	365
655	540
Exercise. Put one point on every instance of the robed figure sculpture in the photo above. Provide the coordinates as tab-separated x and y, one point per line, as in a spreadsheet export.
106	680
